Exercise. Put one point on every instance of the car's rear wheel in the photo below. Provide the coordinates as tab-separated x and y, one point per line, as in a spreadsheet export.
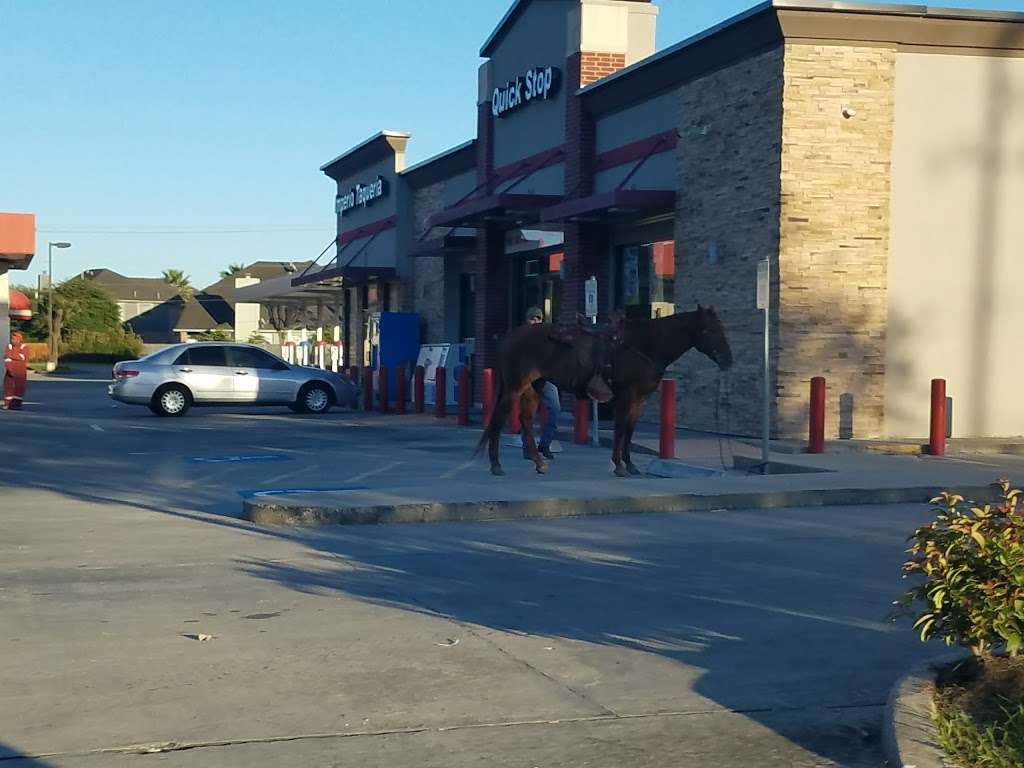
315	398
171	400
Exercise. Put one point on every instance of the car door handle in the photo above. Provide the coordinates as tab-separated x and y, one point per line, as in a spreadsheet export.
241	373
185	370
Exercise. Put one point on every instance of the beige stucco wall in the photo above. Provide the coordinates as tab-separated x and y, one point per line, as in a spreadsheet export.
956	273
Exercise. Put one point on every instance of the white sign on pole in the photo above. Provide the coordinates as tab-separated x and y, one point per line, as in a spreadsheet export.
763	284
590	297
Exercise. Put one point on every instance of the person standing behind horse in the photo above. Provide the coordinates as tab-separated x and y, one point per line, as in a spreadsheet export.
548	395
15	372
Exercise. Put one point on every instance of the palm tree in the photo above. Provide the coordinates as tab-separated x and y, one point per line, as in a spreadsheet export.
233	269
181	281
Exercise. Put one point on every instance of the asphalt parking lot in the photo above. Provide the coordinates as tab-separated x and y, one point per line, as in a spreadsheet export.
137	615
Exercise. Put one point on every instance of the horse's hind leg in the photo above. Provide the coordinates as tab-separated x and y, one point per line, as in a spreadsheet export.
501	411
618	452
527	409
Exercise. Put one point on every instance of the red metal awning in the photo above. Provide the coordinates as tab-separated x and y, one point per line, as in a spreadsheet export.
350	273
506	208
20	306
440	246
618	202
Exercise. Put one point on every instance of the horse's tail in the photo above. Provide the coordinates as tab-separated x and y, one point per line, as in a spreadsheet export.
494	426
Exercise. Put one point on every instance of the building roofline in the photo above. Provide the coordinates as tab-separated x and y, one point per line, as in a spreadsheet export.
446	162
382	135
499	31
768	18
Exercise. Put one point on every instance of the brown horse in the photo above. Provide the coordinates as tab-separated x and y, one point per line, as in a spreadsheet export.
571	358
638	365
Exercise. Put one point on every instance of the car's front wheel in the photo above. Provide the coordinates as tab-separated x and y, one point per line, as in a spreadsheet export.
315	398
171	400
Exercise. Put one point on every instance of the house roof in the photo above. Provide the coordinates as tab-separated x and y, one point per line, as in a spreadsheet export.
124	288
195	317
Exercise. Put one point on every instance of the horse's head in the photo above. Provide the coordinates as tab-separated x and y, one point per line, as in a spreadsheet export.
711	339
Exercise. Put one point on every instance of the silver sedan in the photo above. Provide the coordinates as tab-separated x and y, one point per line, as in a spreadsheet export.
173	379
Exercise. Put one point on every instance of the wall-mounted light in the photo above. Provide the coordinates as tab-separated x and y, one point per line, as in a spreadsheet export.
849	112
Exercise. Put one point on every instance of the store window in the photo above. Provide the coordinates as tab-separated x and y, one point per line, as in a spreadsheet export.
646	279
467	306
540	283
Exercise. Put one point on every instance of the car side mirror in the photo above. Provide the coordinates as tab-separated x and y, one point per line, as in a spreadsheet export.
281	367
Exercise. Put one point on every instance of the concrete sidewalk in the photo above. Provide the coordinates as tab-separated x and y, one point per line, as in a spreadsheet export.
581	483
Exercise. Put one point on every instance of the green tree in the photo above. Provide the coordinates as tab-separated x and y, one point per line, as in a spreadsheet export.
179	280
232	270
80	306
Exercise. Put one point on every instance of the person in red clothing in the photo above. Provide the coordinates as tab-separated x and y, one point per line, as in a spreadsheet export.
15	372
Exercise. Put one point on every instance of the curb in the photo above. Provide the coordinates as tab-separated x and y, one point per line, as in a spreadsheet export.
909	737
268	512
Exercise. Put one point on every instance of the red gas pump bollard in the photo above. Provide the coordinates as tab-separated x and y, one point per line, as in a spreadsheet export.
488	394
417	390
440	393
937	436
463	396
382	387
400	390
581	417
367	389
816	436
667	442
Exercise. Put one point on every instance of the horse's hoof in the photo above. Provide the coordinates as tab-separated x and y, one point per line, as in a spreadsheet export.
542	469
497	471
633	469
621	472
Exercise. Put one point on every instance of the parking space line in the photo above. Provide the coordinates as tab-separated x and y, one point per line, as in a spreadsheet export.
286	475
373	472
460	468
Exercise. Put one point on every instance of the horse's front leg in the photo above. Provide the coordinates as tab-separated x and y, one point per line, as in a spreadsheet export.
618	451
632	417
527	409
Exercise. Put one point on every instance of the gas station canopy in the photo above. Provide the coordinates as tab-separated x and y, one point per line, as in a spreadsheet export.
17	240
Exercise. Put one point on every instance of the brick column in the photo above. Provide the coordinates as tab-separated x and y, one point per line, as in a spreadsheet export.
489	261
585	243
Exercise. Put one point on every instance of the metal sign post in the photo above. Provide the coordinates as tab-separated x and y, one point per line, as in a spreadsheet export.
764	303
590	309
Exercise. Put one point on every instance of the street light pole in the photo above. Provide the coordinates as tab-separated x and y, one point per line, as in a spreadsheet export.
53	348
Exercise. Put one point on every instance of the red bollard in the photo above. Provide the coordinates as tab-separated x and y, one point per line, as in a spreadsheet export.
816	437
463	396
488	395
417	390
440	393
581	412
400	390
514	425
937	439
367	389
667	443
382	387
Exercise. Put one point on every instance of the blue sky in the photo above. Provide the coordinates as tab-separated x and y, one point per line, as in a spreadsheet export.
189	134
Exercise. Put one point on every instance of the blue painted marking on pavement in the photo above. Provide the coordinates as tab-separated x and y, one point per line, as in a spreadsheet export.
299	491
238	459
